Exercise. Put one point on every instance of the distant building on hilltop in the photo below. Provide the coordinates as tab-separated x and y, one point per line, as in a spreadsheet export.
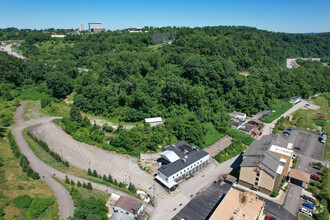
95	27
81	27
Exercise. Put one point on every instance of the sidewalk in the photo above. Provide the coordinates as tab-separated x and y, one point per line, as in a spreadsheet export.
278	199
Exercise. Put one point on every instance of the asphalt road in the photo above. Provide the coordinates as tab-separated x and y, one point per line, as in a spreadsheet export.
62	195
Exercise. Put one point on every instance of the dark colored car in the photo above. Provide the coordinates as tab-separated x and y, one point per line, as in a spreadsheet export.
317	168
289	129
286	133
310	206
311	200
297	148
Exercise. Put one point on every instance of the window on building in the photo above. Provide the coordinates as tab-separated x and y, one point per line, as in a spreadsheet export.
256	183
166	178
173	177
258	174
257	179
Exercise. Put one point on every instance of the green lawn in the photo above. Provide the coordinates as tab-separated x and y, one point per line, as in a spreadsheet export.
212	135
156	46
279	107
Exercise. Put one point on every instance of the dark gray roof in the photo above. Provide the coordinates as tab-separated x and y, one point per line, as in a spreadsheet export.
188	154
261	146
258	154
247	127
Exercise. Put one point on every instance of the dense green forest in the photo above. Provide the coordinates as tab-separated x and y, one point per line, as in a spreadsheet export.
189	76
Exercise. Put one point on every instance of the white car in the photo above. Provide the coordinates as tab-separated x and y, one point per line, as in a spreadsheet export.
306	211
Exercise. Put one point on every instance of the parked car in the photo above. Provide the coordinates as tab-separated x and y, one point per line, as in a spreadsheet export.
306	211
324	138
289	129
310	206
286	133
317	176
297	148
311	200
260	133
317	167
269	218
314	178
294	156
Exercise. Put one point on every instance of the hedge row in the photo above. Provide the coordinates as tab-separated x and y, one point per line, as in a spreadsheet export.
24	163
45	147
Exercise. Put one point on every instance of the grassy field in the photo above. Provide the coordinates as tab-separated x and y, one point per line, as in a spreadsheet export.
156	46
13	182
304	119
7	109
212	135
279	107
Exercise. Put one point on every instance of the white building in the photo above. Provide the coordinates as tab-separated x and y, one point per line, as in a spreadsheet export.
154	121
295	99
180	161
81	27
126	206
238	115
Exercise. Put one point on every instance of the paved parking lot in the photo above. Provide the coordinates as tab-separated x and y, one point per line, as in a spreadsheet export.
311	151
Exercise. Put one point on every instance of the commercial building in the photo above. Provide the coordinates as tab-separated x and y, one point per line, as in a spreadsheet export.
95	27
154	121
239	205
180	161
265	163
127	207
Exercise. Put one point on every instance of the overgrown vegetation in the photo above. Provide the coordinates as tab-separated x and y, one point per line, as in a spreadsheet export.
241	136
231	151
279	107
17	190
23	161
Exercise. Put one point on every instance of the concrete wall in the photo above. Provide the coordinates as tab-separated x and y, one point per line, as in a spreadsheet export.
266	181
247	174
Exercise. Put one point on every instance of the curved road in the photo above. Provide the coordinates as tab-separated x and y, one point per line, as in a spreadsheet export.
63	197
47	172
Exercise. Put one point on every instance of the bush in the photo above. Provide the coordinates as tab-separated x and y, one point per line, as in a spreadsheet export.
231	151
22	202
320	122
281	127
39	205
275	193
45	101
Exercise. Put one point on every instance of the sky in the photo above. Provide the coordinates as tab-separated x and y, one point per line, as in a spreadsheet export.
290	16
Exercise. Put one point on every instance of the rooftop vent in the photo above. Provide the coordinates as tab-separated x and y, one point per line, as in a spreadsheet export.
257	161
185	151
183	159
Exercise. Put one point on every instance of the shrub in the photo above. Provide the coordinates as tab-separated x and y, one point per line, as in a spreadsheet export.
39	205
320	122
79	183
89	186
22	202
45	101
274	193
281	127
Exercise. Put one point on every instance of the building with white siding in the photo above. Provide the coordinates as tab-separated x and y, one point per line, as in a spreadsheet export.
180	161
